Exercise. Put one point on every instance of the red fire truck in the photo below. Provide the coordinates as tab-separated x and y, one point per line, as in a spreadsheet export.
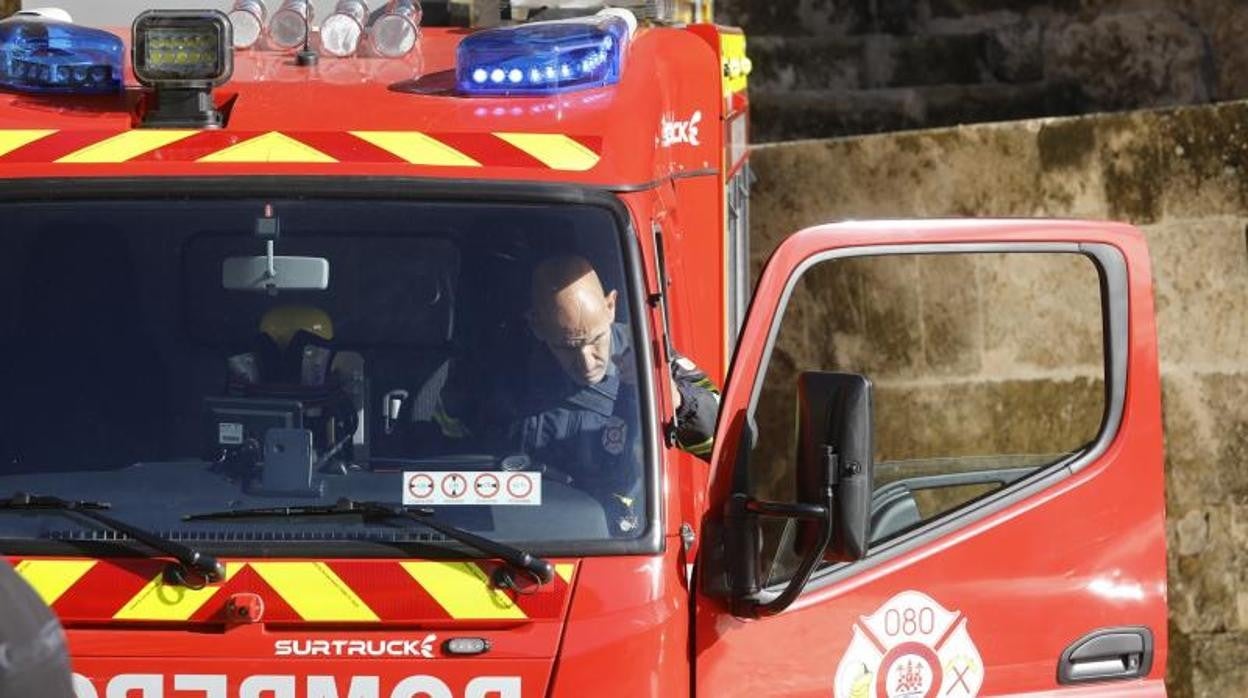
267	331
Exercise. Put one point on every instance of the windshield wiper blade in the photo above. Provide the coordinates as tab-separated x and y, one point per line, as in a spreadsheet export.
22	500
205	568
541	569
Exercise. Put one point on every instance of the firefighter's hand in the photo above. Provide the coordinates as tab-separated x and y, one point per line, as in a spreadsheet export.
676	400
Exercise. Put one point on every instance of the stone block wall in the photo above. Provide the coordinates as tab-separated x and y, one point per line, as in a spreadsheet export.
1182	176
971	356
836	67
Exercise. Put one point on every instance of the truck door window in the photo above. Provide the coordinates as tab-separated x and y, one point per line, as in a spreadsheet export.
987	369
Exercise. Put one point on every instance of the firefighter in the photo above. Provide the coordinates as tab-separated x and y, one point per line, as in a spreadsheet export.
33	657
575	318
570	406
583	413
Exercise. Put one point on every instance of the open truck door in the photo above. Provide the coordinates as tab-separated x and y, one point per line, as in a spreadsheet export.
951	483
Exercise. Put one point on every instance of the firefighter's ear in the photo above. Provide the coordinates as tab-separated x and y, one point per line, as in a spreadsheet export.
611	304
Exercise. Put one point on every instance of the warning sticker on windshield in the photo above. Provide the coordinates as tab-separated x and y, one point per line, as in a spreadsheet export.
456	487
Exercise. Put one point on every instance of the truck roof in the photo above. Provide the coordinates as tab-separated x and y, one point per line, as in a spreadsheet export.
391	117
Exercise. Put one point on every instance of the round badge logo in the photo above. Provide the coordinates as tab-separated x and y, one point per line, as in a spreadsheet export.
614	434
909	670
911	647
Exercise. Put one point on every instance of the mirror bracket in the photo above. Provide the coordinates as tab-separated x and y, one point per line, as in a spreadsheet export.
269	229
746	510
834	483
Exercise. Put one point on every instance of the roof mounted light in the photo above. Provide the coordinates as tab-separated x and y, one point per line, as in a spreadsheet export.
183	55
288	30
545	57
341	31
40	53
395	33
247	22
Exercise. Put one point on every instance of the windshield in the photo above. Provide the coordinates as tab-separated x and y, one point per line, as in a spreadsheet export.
174	359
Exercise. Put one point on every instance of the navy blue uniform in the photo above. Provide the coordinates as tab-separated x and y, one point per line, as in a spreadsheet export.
589	436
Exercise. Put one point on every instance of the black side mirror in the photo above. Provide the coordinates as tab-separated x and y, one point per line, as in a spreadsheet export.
835	447
834	480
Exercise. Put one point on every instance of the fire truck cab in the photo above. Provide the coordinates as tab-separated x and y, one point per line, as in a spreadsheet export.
278	420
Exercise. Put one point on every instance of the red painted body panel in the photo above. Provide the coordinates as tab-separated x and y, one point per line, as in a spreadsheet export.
1094	543
628	631
103	594
664	78
218	677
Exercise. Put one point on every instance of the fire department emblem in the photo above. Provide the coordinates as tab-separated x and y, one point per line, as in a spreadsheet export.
614	433
912	647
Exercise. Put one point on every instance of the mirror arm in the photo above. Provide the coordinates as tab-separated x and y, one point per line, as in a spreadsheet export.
821	513
269	228
803	512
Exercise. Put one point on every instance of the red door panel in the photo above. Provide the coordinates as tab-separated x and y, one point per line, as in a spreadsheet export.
988	605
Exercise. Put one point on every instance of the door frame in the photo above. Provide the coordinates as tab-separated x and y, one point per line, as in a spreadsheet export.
1118	252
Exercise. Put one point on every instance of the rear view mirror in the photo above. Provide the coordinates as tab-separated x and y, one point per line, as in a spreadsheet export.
272	274
835	448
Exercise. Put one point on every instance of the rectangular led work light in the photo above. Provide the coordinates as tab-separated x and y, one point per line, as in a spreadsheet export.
182	55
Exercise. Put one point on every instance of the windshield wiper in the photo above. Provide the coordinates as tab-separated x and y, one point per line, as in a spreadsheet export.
193	569
541	569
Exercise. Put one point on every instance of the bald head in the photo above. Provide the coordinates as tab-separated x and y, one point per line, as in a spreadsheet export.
572	314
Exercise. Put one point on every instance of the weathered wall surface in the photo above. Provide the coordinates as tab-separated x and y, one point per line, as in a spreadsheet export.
836	67
1182	176
969	355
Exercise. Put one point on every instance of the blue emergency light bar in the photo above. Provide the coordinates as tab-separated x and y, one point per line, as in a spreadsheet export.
38	54
543	57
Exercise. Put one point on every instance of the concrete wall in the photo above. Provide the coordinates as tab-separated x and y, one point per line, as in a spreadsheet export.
1182	176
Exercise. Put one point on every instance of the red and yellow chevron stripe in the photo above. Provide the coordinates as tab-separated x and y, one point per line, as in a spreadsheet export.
337	591
532	150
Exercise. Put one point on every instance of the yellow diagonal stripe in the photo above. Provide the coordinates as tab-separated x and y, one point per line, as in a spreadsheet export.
565	570
124	146
555	150
417	148
12	139
314	591
51	578
463	590
160	601
269	147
